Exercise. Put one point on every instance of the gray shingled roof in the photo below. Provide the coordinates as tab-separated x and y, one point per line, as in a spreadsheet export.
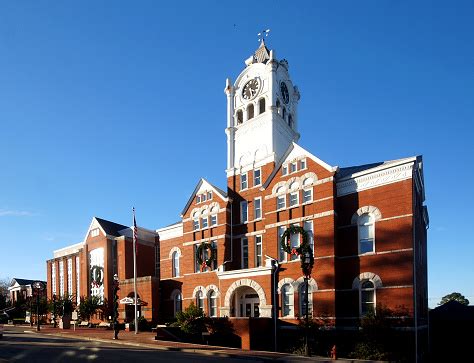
111	228
343	172
24	282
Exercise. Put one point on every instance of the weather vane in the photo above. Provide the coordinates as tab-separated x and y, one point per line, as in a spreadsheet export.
263	34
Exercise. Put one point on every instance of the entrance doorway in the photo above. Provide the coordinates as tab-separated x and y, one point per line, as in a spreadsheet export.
246	303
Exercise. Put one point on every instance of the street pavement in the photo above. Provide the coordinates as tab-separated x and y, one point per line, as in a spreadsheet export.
20	344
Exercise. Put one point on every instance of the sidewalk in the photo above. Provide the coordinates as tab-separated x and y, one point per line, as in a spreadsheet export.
147	340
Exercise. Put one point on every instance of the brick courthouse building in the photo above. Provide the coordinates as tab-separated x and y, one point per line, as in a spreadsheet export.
366	224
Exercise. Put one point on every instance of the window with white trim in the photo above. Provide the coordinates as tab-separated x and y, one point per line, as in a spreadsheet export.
197	267
261	105
250	111
308	227
282	253
293	167
302	164
94	232
257	180
244	242
243	181
243	211
294	242
258	251
281	198
302	298
200	300
294	199
198	198
257	208
175	262
78	280
284	170
214	220
195	224
203	197
212	303
61	278
178	298
367	297
53	277
240	117
287	300
204	222
209	195
214	255
69	277
366	229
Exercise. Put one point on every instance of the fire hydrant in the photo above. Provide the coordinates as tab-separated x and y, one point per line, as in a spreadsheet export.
334	352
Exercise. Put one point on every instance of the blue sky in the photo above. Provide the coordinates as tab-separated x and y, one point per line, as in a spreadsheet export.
113	104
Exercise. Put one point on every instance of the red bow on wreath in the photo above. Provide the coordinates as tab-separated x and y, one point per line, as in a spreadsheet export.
203	265
294	252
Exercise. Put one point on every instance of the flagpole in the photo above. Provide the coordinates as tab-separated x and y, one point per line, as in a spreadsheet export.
135	269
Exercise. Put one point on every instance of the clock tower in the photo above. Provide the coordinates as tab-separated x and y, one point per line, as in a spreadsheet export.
262	119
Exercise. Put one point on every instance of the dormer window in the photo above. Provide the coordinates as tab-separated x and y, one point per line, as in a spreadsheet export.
261	105
250	112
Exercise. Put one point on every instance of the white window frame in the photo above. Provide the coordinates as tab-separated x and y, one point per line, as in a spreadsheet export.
303	164
291	301
177	300
209	195
78	280
284	170
198	198
257	208
359	238
244	211
204	222
293	167
310	190
200	300
69	277
301	293
281	252
94	232
244	247
297	194
213	220
175	264
212	303
61	278
244	183
295	240
310	232
258	257
196	224
259	177
53	277
374	303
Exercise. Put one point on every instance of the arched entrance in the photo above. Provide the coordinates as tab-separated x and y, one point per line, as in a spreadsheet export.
246	298
130	308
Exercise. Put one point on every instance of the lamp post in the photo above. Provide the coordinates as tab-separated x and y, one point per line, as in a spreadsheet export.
115	307
307	272
38	286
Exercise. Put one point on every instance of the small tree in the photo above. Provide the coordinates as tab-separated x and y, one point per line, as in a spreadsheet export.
88	307
4	293
191	320
456	296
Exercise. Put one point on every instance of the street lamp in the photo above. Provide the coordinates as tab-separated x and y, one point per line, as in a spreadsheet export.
307	271
38	286
115	306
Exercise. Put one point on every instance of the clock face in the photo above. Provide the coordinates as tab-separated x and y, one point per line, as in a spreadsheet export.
250	89
284	92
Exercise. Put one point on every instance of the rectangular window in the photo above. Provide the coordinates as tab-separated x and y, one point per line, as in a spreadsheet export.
197	268
204	222
256	177
53	277
243	211
243	181
195	224
307	195
294	242
258	251
78	280
284	170
257	208
282	253
245	252
61	278
203	197
214	255
308	227
293	167
69	277
293	199
209	195
302	164
198	199
214	220
95	232
281	202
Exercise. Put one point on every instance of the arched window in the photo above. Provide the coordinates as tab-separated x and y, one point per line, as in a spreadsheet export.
177	302
290	121
212	303
366	227
367	297
175	261
240	117
287	300
261	105
302	298
200	300
250	112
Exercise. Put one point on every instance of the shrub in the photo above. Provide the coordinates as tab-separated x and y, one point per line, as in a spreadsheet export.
191	320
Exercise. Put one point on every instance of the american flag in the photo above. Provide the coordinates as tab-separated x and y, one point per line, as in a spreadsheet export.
135	233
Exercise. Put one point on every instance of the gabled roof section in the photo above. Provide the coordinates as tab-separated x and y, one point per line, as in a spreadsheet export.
295	151
354	171
111	228
204	184
22	282
262	54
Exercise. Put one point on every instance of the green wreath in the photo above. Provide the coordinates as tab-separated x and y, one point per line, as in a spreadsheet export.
301	250
97	275
208	262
